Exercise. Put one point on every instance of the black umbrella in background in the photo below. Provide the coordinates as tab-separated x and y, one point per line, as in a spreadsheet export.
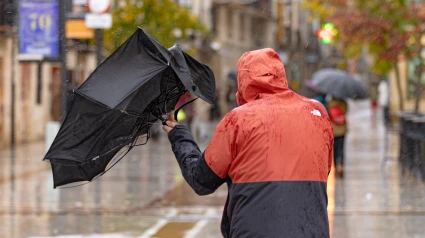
338	84
137	85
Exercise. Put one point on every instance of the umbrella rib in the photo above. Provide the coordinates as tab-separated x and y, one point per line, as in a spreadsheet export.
167	97
89	160
92	100
172	94
74	186
118	160
148	97
102	173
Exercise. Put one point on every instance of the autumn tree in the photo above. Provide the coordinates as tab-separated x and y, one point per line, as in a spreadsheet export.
389	29
379	27
161	18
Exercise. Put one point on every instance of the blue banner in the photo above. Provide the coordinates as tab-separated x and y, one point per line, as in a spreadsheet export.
39	28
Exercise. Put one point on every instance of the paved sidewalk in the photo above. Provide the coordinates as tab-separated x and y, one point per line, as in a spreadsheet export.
373	199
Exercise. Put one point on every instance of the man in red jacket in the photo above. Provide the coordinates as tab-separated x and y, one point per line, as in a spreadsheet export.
274	152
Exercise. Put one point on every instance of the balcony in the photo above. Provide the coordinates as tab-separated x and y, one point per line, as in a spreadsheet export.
258	8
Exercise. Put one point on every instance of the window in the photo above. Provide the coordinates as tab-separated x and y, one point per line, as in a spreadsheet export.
214	20
7	12
242	27
23	96
229	23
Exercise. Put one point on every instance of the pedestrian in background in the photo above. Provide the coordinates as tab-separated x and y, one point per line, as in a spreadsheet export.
322	99
337	112
384	100
373	94
232	88
274	151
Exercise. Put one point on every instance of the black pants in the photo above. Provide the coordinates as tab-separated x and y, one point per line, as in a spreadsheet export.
339	150
386	111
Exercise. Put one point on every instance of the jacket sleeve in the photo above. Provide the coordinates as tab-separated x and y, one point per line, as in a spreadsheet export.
222	150
192	163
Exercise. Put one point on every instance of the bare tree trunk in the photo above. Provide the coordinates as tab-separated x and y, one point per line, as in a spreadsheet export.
399	89
418	86
419	75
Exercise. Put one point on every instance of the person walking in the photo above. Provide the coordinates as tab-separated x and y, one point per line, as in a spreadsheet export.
374	98
322	99
337	112
384	100
274	151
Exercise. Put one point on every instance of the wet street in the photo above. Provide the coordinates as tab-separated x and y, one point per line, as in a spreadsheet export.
144	195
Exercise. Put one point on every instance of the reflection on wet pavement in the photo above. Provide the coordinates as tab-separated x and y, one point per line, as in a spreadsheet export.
373	199
30	206
144	195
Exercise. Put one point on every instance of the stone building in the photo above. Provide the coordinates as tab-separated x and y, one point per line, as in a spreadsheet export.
35	98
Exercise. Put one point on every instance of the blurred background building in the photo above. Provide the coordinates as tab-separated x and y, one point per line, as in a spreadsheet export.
36	95
233	27
32	87
240	26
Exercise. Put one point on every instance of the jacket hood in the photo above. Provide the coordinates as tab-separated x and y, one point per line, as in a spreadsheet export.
260	72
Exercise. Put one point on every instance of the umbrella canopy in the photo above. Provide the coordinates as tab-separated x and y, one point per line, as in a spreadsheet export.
133	88
338	84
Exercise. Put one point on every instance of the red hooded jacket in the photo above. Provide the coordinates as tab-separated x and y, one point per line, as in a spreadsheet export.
275	153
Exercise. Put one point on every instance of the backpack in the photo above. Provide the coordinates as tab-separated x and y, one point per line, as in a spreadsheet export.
337	115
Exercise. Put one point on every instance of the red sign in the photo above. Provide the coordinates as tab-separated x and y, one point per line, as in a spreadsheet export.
99	6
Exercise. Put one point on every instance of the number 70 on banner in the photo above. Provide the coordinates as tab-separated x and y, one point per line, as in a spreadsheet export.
40	21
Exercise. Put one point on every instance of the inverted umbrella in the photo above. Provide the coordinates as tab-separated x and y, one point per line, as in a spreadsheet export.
137	85
337	83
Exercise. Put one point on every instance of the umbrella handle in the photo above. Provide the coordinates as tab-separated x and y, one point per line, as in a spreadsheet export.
176	112
161	118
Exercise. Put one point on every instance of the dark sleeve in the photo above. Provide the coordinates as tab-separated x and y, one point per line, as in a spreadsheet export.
192	163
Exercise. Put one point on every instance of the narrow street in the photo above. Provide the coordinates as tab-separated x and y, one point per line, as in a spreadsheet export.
145	196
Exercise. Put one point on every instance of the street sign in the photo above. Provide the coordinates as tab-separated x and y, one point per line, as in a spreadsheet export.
99	6
39	28
99	21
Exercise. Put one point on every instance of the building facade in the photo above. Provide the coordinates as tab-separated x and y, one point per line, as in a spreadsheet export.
235	28
239	26
30	90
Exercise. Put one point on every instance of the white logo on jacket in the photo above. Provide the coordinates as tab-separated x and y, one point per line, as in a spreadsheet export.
316	112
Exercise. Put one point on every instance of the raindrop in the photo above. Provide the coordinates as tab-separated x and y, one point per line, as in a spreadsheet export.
369	196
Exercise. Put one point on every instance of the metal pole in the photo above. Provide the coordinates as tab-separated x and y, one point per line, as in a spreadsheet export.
15	43
99	44
13	106
62	50
39	82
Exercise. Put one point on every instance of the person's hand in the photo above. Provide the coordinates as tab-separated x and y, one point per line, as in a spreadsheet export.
170	125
